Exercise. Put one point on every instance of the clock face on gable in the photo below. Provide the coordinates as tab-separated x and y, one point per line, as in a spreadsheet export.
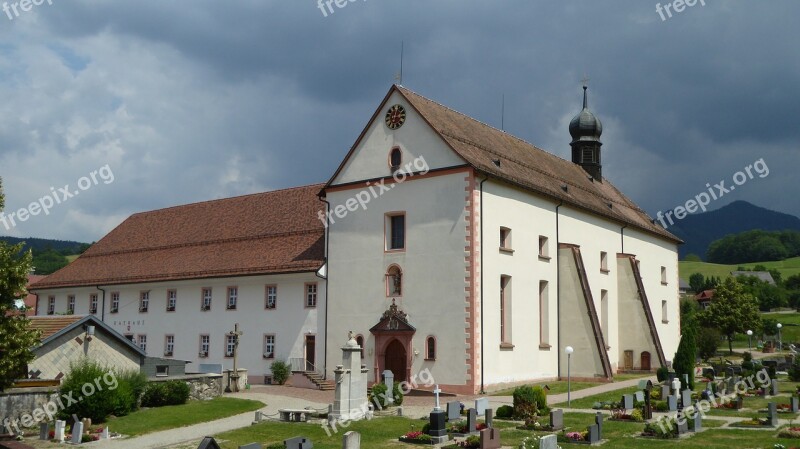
395	116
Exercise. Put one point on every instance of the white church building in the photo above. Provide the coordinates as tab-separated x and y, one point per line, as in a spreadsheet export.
441	242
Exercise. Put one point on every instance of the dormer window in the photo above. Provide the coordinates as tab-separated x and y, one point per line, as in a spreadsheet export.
395	159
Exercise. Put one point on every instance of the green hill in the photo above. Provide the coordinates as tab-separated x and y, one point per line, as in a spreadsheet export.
787	268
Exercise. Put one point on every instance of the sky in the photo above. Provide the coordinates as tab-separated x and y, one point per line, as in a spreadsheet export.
149	104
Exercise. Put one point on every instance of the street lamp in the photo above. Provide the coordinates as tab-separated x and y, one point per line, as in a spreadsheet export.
780	341
750	340
569	352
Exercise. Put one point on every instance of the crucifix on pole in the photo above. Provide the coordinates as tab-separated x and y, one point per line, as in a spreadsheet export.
234	376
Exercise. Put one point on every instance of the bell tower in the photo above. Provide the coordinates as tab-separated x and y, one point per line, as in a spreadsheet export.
585	130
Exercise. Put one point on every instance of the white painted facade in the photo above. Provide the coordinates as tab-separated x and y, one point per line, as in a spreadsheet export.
290	321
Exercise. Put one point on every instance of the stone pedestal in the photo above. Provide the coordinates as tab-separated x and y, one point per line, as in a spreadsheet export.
351	385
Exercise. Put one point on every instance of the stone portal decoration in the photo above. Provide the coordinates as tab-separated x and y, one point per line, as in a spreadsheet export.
351	384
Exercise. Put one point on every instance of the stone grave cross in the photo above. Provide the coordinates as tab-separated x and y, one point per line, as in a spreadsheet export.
436	392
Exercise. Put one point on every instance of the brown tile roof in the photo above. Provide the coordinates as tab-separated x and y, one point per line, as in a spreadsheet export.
50	325
265	233
527	166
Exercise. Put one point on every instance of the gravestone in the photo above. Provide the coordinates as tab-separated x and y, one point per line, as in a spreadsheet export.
490	439
388	380
697	419
251	446
598	421
731	385
208	443
557	419
627	401
481	405
594	434
774	390
298	443
351	383
105	434
682	427
437	429
258	416
351	440
739	402
472	420
686	398
794	404
77	432
489	416
665	390
672	403
548	442
772	414
59	431
453	411
639	396
44	431
762	392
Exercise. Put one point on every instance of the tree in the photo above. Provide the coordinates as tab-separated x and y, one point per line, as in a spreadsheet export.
707	342
16	339
697	282
792	282
732	311
685	357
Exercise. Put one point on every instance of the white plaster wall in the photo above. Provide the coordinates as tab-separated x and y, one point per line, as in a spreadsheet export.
290	321
415	138
433	265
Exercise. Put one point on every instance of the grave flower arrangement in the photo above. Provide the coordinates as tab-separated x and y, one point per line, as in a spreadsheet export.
416	436
791	432
574	436
472	442
653	430
461	427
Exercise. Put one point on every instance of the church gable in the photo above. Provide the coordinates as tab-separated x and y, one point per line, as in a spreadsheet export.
396	138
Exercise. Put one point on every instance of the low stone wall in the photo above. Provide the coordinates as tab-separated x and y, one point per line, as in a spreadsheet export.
16	402
202	387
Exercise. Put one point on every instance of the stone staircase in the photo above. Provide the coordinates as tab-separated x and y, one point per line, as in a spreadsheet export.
319	381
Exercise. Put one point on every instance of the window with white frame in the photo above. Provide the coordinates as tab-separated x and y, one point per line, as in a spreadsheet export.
51	305
70	304
233	296
311	295
206	304
114	302
144	301
93	303
271	296
269	346
143	342
172	300
169	345
205	344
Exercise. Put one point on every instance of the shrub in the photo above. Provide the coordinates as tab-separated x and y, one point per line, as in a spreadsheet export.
98	392
472	442
637	415
275	446
504	411
379	397
159	394
661	406
280	372
529	402
662	374
794	370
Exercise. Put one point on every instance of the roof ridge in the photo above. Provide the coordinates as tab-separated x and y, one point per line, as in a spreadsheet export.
177	206
202	243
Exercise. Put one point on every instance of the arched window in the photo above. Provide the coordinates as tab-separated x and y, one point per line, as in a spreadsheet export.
394	281
360	341
395	158
430	348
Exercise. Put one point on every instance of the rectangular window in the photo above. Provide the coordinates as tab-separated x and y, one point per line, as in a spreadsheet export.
269	346
70	304
544	315
162	370
51	305
505	310
144	301
206	304
93	303
172	300
311	295
233	295
663	275
205	344
505	238
604	262
664	315
230	345
271	296
143	342
544	250
114	302
169	345
396	232
604	314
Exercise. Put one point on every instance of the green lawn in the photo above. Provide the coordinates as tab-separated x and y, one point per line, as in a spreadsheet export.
383	433
170	417
787	268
